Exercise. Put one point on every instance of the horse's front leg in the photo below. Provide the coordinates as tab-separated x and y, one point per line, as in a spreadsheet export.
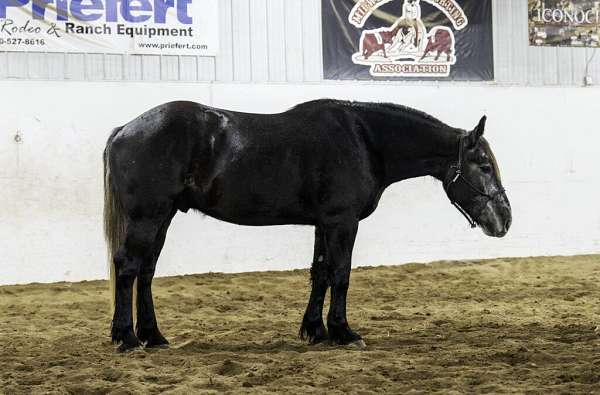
312	327
340	242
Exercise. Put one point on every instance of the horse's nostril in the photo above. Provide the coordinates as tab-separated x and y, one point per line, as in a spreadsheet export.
507	224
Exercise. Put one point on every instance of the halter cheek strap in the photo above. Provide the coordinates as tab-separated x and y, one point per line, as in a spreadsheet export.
458	175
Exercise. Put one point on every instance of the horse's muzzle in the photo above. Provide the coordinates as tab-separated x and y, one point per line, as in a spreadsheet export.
496	217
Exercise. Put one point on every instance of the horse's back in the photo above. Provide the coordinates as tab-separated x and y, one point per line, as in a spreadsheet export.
292	167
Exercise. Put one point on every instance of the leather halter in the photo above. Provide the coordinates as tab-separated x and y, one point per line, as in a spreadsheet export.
456	174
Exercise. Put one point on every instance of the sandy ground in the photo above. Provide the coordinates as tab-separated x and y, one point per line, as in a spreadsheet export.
502	326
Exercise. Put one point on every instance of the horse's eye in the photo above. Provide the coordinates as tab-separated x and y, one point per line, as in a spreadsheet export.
486	168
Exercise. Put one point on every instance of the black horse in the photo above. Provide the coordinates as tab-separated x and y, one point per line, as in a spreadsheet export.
323	163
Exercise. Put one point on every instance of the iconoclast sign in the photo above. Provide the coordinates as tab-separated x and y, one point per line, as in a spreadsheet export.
558	23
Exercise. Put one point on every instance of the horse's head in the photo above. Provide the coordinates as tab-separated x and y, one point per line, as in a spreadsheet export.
473	185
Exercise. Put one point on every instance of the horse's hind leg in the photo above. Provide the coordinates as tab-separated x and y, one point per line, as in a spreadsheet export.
136	249
146	326
340	242
312	323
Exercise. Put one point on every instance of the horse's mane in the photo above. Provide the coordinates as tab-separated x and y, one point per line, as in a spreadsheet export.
394	109
399	108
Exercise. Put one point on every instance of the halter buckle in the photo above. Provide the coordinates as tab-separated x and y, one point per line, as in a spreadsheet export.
456	176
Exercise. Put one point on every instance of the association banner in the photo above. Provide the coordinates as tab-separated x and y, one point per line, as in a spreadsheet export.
559	23
181	27
408	39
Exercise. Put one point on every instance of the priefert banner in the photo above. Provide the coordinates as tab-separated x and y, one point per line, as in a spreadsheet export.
180	27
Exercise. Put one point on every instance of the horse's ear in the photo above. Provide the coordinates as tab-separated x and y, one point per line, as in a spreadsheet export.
477	133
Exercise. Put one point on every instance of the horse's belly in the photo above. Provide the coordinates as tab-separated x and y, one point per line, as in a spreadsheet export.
257	219
251	200
256	213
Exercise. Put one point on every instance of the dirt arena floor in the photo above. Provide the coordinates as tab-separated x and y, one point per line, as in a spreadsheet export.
502	326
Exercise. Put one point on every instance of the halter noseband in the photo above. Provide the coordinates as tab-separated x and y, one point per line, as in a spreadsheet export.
458	175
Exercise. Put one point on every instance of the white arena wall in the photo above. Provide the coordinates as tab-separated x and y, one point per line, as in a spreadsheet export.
545	139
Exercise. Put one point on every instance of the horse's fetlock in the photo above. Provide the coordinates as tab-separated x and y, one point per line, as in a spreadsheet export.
118	333
340	333
313	330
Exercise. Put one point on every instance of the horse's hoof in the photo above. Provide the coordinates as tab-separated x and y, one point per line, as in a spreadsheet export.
127	348
156	341
318	340
126	339
360	344
162	346
152	338
342	334
314	332
319	336
130	343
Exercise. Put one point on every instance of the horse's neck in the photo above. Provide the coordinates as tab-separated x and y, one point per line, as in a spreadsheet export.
410	145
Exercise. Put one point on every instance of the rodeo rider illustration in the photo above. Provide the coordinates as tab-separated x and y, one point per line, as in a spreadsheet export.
411	19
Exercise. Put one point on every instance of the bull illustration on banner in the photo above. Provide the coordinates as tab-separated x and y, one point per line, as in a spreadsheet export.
407	48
